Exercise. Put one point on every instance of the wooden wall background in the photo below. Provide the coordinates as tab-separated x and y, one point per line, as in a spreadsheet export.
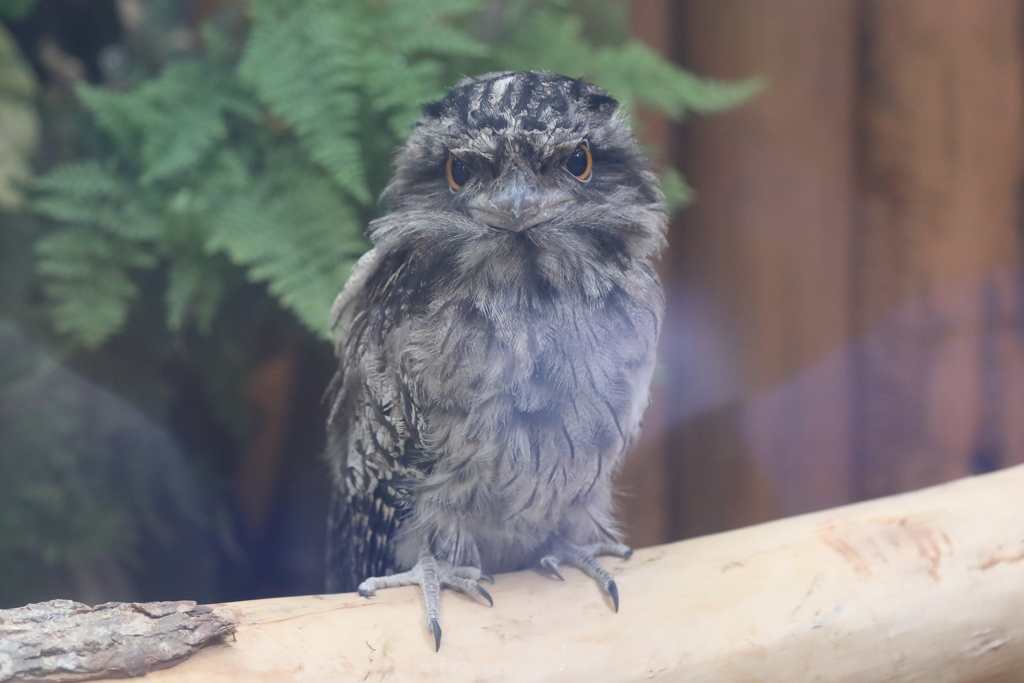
844	298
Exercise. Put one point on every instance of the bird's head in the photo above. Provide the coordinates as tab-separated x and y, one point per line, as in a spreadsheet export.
515	150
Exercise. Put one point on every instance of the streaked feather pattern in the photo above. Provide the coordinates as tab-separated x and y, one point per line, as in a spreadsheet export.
490	379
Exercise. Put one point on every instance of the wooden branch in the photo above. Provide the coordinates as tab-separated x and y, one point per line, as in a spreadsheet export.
62	640
925	586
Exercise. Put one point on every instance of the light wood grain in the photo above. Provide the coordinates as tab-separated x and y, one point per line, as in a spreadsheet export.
925	586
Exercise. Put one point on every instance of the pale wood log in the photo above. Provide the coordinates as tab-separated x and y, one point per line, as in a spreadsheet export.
925	586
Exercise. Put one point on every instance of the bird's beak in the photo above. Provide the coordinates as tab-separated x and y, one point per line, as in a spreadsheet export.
518	204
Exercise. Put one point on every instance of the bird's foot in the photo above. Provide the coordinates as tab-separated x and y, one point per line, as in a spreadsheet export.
582	557
431	575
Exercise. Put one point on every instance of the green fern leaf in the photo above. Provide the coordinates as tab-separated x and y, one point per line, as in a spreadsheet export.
269	163
89	193
171	123
297	234
111	112
91	178
182	120
413	27
678	192
87	283
631	71
302	63
642	75
194	292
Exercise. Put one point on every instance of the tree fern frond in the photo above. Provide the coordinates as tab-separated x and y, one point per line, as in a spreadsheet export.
74	210
302	63
83	247
88	281
88	193
167	125
194	292
648	78
112	113
398	97
678	192
90	312
182	118
630	70
90	178
298	235
411	27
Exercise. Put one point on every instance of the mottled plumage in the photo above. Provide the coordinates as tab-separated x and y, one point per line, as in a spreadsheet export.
497	343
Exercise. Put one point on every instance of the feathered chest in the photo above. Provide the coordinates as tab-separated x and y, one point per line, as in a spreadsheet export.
507	366
538	328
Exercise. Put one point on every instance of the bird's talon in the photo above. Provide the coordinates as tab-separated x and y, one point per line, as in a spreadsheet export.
485	594
551	565
584	559
436	628
613	590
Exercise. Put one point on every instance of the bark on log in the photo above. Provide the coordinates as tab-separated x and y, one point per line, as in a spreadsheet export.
62	640
925	586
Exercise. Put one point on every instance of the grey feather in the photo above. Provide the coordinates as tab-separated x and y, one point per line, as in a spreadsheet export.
496	345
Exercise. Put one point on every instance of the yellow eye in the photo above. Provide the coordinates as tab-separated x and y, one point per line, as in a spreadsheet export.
457	172
580	163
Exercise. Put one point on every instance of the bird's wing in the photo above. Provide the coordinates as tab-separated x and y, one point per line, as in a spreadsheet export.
373	432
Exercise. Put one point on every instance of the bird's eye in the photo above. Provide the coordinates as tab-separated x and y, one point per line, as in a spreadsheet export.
580	163
457	172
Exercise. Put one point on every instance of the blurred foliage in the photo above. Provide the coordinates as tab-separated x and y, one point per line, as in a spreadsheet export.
15	9
265	152
75	493
19	122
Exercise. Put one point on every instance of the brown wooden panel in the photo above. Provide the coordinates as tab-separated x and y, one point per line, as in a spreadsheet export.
642	486
936	293
766	250
845	297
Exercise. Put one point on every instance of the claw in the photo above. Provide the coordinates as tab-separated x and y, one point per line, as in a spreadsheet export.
551	565
436	628
583	558
487	577
431	575
613	591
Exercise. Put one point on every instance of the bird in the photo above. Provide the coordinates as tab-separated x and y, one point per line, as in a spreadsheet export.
496	344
